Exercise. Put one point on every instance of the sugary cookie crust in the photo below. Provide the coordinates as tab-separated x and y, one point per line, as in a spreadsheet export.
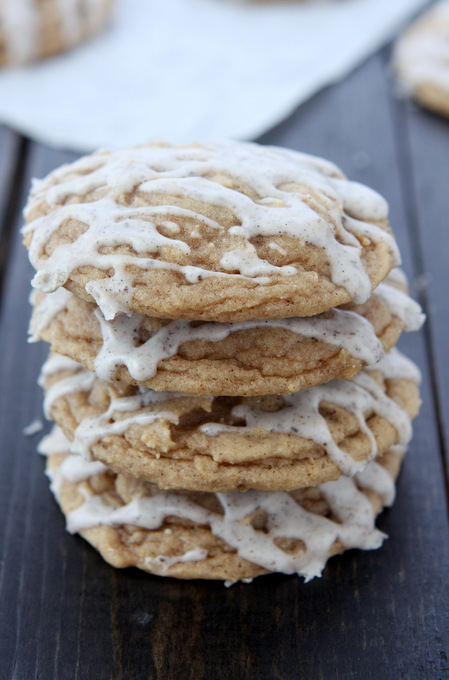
226	232
252	359
33	29
224	444
182	548
421	59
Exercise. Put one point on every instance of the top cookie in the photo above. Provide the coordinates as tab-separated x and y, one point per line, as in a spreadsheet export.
421	59
224	232
32	29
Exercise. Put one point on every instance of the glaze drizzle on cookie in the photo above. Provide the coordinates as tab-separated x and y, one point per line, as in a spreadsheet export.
351	517
131	203
299	416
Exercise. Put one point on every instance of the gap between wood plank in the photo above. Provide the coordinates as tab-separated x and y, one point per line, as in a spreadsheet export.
13	193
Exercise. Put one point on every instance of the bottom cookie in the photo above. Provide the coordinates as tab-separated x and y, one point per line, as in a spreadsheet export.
229	536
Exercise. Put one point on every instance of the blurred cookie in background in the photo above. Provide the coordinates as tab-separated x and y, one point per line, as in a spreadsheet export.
33	29
421	59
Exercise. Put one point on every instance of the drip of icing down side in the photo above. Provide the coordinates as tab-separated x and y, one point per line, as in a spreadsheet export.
91	429
45	312
397	365
337	327
82	381
376	478
121	347
54	443
402	306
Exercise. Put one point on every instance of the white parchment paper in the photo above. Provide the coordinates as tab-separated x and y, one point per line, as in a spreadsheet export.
182	70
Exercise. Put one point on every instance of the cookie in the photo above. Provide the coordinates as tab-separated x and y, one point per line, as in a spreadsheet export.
235	443
421	59
226	232
229	536
33	29
241	359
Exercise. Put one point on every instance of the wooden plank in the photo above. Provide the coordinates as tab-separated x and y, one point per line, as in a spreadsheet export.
10	168
64	613
427	138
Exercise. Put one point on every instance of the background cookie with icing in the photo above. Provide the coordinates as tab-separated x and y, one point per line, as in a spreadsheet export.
33	29
421	59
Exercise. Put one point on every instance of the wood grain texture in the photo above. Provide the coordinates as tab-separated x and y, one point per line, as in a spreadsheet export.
378	615
424	144
11	163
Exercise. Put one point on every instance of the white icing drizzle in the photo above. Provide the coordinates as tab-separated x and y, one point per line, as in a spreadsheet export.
386	408
92	429
46	310
299	416
20	22
82	381
377	478
285	518
337	327
194	555
56	363
120	345
76	469
54	442
397	365
185	173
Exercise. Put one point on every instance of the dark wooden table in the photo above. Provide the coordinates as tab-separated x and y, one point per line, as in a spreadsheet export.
380	615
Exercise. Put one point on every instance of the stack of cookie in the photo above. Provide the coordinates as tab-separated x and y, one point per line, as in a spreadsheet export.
227	396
